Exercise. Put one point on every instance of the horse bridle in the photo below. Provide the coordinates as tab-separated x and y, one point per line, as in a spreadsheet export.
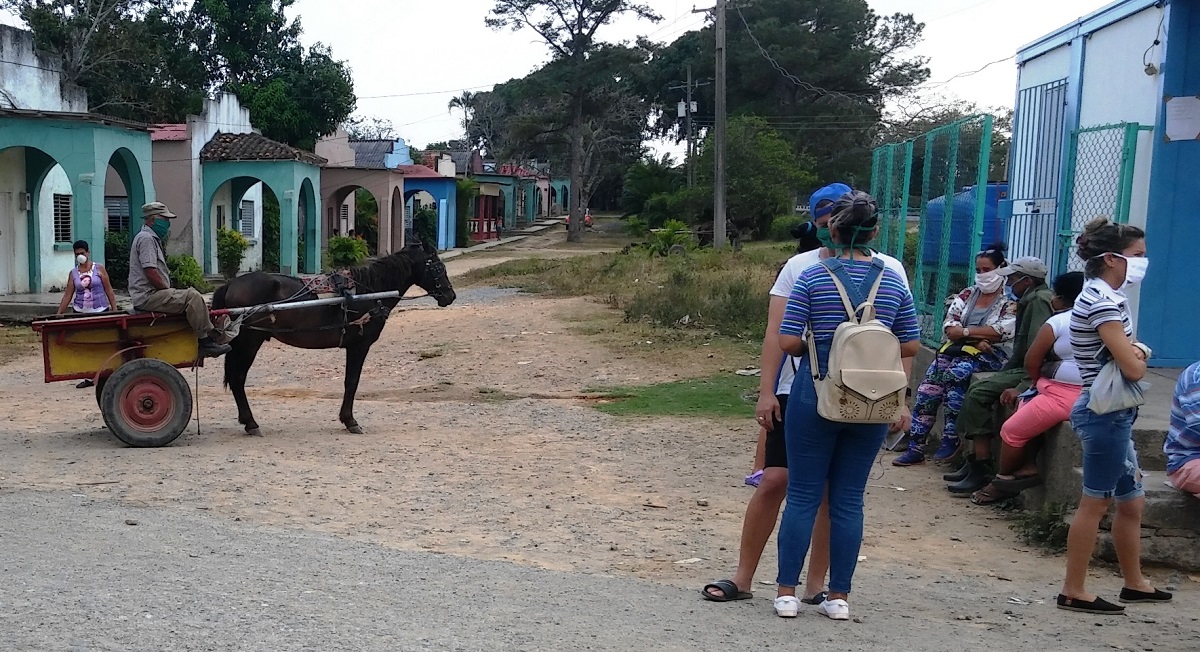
434	266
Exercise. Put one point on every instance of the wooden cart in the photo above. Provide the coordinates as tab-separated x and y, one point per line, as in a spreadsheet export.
134	360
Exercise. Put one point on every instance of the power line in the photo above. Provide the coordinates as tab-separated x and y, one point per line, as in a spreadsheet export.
962	75
789	76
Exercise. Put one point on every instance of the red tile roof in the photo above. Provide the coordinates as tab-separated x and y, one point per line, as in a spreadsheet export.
419	172
168	132
254	147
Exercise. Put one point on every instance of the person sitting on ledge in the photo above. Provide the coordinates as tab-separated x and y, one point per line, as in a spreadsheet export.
1183	438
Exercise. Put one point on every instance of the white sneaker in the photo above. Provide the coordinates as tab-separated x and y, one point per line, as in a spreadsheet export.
835	609
787	606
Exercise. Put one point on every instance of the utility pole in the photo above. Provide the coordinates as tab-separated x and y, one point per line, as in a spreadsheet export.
719	129
688	113
719	134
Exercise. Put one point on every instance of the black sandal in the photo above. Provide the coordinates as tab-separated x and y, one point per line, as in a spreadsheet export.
1098	606
1017	484
816	599
991	494
729	592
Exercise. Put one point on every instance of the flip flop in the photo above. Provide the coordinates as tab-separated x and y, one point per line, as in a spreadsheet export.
816	599
991	494
754	478
729	592
1017	484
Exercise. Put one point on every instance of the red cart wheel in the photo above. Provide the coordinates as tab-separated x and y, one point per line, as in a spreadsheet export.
146	403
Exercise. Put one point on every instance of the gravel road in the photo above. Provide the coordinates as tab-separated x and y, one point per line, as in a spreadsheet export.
85	575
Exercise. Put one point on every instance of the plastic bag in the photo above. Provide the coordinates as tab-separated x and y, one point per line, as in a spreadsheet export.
1111	391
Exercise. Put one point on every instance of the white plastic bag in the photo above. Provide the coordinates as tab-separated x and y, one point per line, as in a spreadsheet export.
1112	392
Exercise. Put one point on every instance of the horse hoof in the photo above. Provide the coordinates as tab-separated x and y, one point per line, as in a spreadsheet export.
355	430
254	432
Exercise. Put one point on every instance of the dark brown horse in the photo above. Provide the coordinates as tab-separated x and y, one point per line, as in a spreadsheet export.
354	327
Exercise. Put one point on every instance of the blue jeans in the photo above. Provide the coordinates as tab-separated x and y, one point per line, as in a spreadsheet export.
1110	464
820	452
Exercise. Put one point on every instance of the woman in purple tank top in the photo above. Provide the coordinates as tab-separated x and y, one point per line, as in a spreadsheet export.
88	288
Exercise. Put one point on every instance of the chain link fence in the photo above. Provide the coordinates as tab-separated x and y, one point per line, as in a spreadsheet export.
934	193
1099	183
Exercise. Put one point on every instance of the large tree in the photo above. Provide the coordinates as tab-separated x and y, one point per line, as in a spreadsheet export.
819	71
531	118
156	60
124	53
569	28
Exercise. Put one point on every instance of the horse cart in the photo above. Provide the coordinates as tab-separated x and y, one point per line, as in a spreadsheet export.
135	362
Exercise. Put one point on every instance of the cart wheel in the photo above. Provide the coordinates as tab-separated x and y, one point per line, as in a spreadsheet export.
146	403
100	390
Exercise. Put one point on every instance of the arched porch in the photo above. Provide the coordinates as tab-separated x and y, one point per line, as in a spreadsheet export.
293	176
385	187
76	152
444	191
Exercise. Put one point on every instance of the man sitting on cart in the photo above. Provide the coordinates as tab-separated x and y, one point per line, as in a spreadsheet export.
150	283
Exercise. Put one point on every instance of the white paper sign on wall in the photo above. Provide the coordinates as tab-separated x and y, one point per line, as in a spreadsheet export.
1182	119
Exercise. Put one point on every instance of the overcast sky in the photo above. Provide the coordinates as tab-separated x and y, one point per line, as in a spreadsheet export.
409	57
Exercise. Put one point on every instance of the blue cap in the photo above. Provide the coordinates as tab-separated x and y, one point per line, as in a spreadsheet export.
830	193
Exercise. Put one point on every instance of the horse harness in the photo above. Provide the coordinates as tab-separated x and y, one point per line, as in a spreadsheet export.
343	284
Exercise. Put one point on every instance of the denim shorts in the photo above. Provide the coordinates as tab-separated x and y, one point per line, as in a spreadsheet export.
1110	464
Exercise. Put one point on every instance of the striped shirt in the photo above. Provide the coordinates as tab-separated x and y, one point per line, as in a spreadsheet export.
816	300
1183	437
1097	305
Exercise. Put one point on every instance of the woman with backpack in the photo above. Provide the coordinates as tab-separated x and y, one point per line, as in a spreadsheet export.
980	321
825	446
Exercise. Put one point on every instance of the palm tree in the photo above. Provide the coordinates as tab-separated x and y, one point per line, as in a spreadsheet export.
466	104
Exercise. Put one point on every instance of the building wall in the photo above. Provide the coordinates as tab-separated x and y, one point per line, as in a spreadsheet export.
336	149
29	80
14	254
173	169
55	264
223	113
1169	312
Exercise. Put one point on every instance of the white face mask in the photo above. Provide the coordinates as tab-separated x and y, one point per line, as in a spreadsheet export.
1135	270
989	282
81	259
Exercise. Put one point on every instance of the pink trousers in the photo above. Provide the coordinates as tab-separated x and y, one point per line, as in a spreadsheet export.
1187	478
1050	407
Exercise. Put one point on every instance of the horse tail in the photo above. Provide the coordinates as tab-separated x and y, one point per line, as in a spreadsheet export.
218	300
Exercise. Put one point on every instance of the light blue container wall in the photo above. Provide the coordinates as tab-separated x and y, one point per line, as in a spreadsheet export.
1167	315
445	197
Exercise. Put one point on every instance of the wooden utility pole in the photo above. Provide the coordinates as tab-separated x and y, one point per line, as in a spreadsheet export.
688	115
719	134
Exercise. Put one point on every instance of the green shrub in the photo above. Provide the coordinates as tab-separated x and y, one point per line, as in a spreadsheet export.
231	251
345	252
467	191
637	227
781	227
186	273
270	233
116	257
425	225
670	238
688	205
1046	527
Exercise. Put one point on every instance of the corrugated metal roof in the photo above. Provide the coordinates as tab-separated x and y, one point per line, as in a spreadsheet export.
371	153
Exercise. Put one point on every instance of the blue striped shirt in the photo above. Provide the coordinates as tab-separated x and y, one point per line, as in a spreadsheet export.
815	299
1183	437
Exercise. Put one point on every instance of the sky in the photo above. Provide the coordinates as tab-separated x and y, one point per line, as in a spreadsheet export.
410	57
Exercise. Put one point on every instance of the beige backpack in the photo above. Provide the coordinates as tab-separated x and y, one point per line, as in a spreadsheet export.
865	381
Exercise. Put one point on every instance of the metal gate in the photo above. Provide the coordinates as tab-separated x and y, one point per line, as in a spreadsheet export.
1099	183
938	184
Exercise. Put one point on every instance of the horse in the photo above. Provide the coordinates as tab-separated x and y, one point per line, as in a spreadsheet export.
353	326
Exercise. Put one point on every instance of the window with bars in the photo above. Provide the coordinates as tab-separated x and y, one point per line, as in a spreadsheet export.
345	217
246	220
62	218
117	209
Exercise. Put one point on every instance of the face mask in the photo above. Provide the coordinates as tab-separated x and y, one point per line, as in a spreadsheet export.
825	237
989	282
162	228
1010	292
80	259
1135	270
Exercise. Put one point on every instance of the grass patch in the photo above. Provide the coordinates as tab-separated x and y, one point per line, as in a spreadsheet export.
723	396
16	340
1046	527
722	292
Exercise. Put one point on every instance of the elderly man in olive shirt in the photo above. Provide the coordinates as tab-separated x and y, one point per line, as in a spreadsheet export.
150	283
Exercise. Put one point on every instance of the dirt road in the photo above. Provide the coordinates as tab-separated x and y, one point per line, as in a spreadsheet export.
477	446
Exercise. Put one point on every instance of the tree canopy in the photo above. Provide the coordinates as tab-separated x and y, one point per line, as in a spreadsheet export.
156	60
